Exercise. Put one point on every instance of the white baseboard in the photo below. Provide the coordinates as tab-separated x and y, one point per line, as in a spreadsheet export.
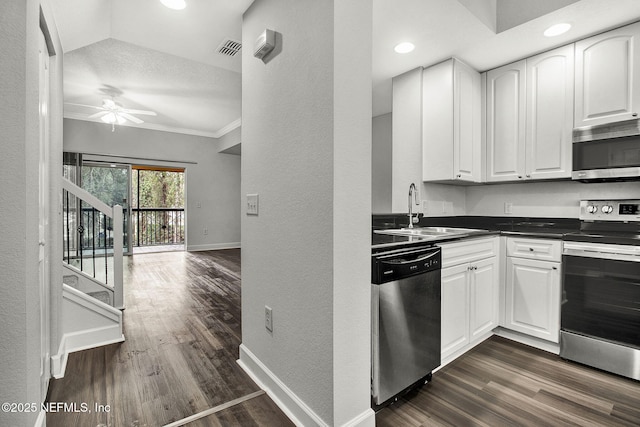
293	407
365	419
83	340
41	421
213	246
538	343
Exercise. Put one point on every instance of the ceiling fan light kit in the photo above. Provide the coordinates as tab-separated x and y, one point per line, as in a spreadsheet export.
114	113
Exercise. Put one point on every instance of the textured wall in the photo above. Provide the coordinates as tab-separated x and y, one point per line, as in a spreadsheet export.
19	295
214	180
306	138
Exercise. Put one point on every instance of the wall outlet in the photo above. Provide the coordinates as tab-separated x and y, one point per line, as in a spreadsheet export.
268	318
508	207
205	231
252	204
198	204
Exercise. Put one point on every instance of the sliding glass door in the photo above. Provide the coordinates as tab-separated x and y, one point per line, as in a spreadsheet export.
111	184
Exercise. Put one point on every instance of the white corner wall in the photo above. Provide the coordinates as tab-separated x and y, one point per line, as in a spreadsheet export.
306	150
212	178
19	126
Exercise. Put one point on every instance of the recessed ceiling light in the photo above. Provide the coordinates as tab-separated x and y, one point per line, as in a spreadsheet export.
174	4
404	47
557	29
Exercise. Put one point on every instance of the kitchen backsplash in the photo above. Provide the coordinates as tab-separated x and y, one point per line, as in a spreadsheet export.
539	199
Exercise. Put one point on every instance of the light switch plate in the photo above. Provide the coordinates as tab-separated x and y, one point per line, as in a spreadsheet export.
252	204
268	318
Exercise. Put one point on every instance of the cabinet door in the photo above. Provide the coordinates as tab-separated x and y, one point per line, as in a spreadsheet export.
506	122
483	289
451	128
533	297
549	114
606	78
467	146
437	122
455	309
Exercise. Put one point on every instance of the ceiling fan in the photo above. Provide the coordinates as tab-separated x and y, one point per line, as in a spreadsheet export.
113	113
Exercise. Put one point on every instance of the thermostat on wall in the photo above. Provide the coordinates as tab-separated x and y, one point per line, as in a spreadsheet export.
264	44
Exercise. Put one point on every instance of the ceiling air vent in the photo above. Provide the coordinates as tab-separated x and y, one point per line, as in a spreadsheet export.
229	47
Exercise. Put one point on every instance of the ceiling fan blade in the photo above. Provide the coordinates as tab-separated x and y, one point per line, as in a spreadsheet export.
98	114
84	105
130	117
143	112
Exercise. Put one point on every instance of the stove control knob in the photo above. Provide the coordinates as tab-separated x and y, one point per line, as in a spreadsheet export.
592	209
607	209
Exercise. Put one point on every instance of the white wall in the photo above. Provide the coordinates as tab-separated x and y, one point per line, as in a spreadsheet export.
19	127
543	199
306	126
381	152
213	181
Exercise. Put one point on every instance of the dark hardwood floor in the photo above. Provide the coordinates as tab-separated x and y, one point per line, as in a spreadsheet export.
182	329
503	383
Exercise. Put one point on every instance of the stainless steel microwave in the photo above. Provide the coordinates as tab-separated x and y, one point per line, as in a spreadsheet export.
607	152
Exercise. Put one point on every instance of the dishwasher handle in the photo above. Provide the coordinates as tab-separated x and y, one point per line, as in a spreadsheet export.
404	265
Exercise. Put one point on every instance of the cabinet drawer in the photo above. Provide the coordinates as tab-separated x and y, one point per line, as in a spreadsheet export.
541	249
468	250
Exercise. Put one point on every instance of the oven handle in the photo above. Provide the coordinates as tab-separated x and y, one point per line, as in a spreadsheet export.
621	253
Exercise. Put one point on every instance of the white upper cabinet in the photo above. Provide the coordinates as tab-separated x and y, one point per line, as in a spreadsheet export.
505	115
530	118
549	117
451	123
607	77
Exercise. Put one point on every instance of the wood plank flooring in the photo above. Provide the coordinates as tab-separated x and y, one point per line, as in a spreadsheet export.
503	383
182	329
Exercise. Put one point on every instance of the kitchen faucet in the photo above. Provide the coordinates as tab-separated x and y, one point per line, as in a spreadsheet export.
412	220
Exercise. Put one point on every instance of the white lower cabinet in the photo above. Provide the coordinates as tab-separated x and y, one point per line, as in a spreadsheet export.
532	294
470	286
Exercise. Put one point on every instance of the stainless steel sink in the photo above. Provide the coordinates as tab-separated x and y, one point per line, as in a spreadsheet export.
430	233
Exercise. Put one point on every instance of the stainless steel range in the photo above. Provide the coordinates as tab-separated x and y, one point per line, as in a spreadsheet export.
600	314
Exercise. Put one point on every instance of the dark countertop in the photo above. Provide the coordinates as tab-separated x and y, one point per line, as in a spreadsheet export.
546	228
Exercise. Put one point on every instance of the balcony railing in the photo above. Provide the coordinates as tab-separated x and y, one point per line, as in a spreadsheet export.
157	226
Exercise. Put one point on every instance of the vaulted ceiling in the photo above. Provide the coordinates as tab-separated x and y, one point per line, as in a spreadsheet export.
149	57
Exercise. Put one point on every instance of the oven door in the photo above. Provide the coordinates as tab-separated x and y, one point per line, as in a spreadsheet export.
601	296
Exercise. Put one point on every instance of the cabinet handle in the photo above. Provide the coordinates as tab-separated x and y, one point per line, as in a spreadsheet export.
555	268
519	176
459	176
528	176
634	114
531	249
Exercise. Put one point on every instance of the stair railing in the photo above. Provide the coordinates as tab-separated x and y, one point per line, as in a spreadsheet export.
93	238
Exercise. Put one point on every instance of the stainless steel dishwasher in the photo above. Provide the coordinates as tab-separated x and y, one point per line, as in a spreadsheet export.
405	320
